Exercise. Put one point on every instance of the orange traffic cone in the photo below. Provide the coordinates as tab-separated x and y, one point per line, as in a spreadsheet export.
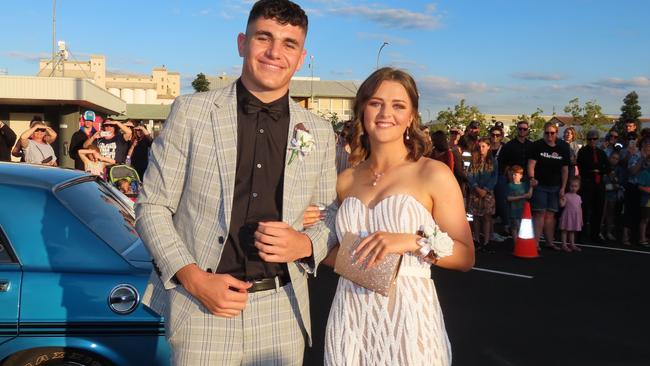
525	244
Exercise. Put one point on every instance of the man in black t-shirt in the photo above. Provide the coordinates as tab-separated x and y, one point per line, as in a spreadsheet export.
111	143
517	150
548	170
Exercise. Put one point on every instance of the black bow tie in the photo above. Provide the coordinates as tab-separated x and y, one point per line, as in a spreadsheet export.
253	106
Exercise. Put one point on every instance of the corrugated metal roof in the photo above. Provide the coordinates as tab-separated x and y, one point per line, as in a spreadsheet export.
303	88
147	111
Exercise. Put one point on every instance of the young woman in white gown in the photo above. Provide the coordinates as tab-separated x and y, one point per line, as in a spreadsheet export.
392	191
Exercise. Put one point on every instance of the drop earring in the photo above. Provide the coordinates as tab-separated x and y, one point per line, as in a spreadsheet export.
407	134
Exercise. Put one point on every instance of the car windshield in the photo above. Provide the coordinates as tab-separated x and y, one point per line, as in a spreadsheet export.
106	211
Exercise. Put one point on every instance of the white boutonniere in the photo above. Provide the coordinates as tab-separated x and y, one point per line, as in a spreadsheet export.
302	143
436	241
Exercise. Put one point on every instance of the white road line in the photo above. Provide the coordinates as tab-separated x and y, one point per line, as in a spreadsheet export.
502	273
610	248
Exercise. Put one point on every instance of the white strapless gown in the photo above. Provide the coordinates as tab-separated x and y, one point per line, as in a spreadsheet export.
363	328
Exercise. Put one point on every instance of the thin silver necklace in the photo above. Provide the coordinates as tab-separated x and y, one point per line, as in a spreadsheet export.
378	175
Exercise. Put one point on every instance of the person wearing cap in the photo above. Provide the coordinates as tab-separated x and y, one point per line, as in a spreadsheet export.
79	137
110	142
469	141
35	143
592	165
7	141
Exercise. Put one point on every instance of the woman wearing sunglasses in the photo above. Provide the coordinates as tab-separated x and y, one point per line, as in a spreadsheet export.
548	169
35	143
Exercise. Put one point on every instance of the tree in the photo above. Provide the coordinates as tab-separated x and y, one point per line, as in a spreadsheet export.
461	116
535	125
201	83
588	117
630	111
333	119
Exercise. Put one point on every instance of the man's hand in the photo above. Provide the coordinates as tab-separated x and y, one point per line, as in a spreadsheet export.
278	242
222	294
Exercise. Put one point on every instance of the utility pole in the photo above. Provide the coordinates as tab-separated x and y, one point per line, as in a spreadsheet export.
53	30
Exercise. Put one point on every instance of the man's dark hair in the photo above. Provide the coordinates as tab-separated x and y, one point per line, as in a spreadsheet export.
282	11
522	122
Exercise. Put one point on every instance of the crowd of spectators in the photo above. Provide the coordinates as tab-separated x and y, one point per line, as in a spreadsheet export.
95	151
594	190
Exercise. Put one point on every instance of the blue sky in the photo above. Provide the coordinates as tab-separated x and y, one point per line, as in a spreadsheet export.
507	57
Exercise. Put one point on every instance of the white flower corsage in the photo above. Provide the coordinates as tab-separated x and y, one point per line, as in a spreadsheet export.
435	241
301	144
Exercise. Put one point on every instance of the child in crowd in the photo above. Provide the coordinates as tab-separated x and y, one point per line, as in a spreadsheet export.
518	193
124	186
571	219
94	162
482	177
614	191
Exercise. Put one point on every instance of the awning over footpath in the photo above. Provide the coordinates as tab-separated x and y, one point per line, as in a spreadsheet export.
40	91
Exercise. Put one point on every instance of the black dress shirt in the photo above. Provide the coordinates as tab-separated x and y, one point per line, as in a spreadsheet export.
259	183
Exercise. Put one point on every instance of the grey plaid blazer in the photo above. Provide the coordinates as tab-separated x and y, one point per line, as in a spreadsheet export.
184	209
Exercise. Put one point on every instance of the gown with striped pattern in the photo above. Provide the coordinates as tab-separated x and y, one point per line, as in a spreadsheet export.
365	328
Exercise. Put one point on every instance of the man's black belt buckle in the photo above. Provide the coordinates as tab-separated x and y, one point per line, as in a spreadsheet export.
271	283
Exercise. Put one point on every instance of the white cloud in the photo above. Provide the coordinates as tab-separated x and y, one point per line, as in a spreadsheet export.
635	82
27	56
532	75
442	89
392	17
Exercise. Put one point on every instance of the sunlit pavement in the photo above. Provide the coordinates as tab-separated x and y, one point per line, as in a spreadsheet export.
585	308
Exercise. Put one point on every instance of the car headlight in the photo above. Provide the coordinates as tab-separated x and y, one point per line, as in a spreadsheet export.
123	299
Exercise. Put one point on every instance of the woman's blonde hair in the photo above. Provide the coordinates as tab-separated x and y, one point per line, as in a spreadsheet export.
417	145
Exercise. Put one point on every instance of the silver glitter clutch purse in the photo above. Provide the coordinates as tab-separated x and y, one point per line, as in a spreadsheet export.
379	278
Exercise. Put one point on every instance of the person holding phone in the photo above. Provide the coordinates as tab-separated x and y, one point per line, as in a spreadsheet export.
111	144
35	144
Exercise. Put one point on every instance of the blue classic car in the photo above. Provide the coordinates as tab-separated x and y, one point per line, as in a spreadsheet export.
72	270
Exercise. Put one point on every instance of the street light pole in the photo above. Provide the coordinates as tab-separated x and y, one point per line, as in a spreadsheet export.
379	52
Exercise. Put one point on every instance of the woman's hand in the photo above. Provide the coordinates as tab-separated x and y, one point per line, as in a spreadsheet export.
376	246
312	216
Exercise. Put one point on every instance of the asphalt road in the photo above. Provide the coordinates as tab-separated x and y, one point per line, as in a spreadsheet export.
587	308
